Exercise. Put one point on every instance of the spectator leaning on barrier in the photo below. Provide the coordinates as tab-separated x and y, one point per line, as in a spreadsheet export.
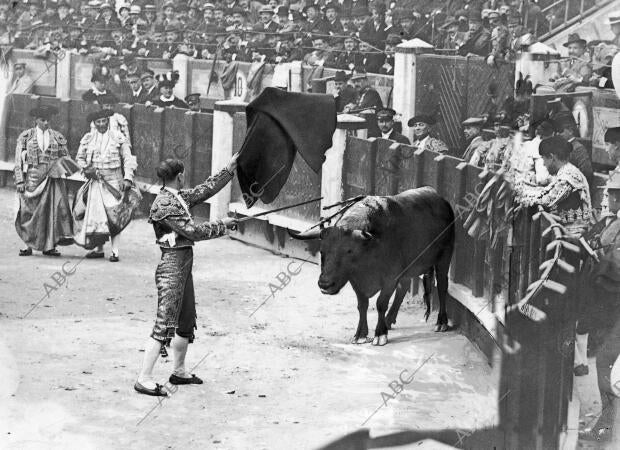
343	92
150	91
475	151
368	98
99	79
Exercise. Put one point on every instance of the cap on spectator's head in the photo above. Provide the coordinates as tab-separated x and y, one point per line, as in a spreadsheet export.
192	99
43	112
106	99
210	6
474	122
574	38
393	39
148	73
134	75
556	145
359	12
341	76
332	5
101	114
105	6
613	19
123	6
265	10
151	8
19	64
421	118
238	10
386	113
612	135
169	4
282	11
135	9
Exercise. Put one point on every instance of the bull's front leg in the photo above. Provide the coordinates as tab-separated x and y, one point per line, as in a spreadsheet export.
361	335
381	330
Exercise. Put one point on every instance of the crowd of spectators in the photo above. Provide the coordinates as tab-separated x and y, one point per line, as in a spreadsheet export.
339	34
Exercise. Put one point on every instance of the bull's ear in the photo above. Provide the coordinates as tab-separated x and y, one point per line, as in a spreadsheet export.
363	235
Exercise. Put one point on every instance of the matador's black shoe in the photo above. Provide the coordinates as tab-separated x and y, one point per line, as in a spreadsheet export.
114	258
94	254
157	392
25	252
174	379
52	252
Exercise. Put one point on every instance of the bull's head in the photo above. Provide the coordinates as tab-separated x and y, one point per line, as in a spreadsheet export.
341	251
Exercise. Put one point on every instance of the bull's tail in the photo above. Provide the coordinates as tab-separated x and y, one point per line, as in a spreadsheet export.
427	282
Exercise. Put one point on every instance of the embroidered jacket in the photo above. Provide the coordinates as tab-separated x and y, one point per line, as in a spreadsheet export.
173	223
110	150
28	153
567	196
431	144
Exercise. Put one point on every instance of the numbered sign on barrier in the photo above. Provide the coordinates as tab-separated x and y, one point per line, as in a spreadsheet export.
241	86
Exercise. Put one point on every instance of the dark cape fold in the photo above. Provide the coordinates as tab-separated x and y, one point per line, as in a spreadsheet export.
280	124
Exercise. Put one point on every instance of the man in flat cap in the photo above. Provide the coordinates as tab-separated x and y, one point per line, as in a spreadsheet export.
21	83
385	121
422	140
476	146
104	205
44	218
150	91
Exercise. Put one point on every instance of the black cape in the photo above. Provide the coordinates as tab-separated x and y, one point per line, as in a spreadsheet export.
280	124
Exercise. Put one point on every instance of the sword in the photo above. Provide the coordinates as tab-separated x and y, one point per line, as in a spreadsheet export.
264	213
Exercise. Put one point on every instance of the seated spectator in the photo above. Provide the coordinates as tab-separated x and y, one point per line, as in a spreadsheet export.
576	69
344	93
372	59
388	64
99	80
374	30
478	39
368	98
334	27
348	58
149	92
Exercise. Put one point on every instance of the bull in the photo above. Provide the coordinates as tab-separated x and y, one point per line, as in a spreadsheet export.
381	243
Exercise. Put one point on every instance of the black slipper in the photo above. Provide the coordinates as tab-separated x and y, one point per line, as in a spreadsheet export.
114	258
157	392
26	252
174	379
52	252
94	254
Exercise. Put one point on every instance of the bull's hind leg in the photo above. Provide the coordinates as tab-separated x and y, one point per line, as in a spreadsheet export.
401	291
427	283
441	273
361	335
381	331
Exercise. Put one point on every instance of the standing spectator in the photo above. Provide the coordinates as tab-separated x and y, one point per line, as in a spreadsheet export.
500	39
385	121
136	89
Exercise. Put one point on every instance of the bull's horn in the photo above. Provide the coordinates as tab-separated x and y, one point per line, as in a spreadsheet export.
313	234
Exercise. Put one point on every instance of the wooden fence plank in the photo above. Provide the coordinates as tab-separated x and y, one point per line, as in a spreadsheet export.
147	132
359	167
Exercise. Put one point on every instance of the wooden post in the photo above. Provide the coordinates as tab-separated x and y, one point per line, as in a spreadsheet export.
223	112
332	186
297	80
63	76
181	63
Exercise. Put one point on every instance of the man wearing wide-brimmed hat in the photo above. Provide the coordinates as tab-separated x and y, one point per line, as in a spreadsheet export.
478	40
422	140
43	219
344	93
103	206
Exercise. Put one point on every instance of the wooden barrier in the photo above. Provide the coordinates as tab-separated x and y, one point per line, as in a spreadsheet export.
147	129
